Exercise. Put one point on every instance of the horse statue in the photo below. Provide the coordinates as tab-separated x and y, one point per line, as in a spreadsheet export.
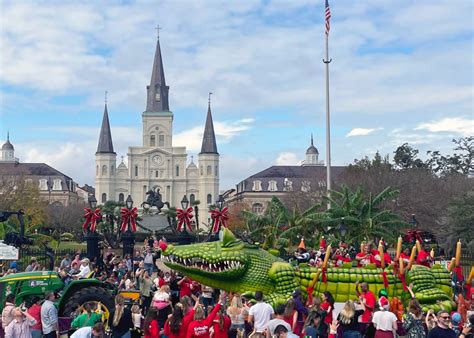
154	200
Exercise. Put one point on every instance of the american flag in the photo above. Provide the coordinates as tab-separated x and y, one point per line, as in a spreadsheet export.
328	16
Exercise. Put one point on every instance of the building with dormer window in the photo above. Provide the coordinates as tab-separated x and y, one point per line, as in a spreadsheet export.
279	180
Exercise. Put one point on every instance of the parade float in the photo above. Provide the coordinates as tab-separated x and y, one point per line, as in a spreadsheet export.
235	266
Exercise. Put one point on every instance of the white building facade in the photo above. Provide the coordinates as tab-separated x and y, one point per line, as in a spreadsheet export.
157	164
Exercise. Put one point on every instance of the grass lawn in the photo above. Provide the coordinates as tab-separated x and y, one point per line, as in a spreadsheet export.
72	246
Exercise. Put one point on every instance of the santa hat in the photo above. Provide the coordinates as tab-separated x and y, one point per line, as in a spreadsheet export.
302	246
322	243
162	244
383	303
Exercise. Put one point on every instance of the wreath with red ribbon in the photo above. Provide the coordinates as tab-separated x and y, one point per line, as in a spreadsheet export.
91	216
129	215
220	218
184	218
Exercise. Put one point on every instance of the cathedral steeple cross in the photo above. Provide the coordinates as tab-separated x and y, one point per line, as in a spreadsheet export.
158	28
105	97
209	100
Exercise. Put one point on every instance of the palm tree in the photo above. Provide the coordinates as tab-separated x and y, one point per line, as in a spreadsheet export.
365	216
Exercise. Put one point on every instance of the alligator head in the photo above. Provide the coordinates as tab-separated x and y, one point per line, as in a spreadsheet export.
228	264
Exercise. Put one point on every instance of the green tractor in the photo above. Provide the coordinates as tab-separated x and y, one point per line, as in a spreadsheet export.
25	285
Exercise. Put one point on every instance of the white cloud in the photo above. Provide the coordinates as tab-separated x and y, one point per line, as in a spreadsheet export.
225	131
362	131
288	158
457	125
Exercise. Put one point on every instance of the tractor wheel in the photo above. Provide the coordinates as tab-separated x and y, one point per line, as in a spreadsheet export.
93	295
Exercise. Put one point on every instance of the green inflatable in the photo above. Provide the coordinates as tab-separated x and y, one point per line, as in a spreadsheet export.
235	266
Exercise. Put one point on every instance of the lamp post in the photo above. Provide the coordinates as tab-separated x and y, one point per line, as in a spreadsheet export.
128	237
185	236
92	238
413	221
215	233
343	228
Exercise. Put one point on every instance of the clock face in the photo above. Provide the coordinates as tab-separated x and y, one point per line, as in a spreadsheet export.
157	96
157	159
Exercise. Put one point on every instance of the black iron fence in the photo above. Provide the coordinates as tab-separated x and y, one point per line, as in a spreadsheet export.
25	255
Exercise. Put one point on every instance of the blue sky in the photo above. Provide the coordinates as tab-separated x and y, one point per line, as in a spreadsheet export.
402	71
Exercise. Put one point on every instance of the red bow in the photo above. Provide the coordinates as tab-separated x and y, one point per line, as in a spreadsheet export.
128	216
220	218
412	236
324	277
403	280
184	217
91	219
385	280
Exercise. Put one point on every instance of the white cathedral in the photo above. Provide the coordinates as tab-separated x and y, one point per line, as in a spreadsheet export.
156	164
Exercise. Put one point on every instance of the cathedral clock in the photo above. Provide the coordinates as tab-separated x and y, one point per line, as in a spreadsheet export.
157	159
157	96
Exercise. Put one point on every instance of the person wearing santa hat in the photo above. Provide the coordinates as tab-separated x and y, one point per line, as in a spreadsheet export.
385	322
321	253
364	258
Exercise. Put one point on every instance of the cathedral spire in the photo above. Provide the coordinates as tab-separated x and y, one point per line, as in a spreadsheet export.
105	138
157	91
209	145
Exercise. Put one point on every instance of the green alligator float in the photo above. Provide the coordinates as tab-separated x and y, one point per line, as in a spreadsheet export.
235	266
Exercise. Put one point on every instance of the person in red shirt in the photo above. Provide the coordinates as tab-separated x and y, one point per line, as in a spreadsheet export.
184	287
377	260
176	326
364	258
200	326
327	305
221	324
368	299
405	255
150	325
424	257
35	312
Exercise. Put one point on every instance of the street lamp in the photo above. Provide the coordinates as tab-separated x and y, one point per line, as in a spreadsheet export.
92	238
129	203
128	237
184	202
92	201
220	202
343	228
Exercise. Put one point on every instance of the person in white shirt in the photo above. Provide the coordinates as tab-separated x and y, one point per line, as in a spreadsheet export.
278	320
20	326
384	321
88	332
84	269
261	313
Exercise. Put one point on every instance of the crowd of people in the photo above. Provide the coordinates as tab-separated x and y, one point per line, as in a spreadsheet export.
174	306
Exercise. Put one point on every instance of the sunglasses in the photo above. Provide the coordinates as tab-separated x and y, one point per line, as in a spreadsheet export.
444	317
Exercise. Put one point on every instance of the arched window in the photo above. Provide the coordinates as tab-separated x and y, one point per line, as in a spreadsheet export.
97	170
121	197
209	170
177	170
112	170
161	140
136	170
217	170
104	170
201	170
192	198
152	141
209	199
104	197
257	208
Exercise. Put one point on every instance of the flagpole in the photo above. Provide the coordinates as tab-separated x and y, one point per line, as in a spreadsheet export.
326	61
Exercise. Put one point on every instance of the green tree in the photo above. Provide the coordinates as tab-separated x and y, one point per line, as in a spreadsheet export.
458	163
365	216
406	157
459	224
